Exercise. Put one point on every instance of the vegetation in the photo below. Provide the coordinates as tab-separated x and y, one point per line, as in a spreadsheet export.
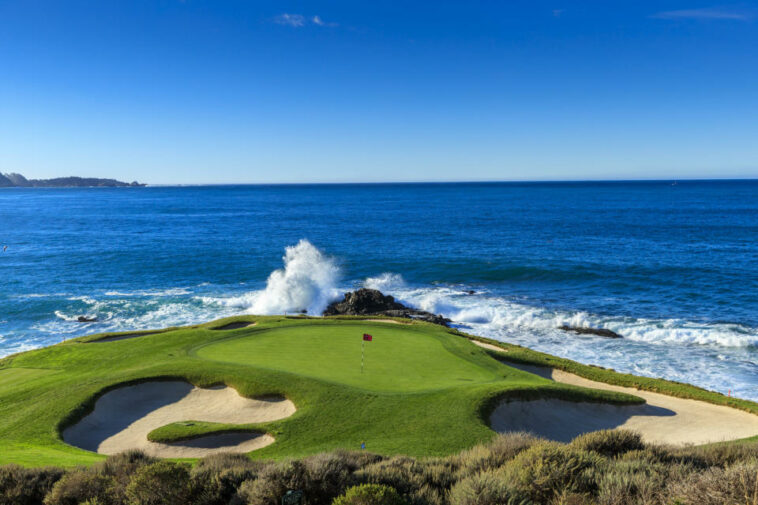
513	469
418	381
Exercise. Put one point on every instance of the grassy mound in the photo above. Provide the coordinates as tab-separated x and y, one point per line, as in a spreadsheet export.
424	391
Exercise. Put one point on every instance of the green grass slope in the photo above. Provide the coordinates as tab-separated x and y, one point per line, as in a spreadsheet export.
424	391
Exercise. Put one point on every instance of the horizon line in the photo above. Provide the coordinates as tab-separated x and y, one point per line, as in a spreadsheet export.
462	181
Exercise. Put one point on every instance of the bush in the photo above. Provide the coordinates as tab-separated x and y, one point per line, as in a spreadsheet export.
327	476
357	460
631	481
161	483
215	479
272	483
79	486
549	469
120	468
722	455
26	486
486	488
370	494
737	484
609	443
495	454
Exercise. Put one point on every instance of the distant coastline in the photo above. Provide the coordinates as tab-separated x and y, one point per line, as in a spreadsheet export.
14	180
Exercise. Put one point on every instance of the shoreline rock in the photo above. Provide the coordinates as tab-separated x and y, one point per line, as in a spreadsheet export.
371	302
581	330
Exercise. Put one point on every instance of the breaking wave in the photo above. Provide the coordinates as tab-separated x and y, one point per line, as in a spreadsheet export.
308	282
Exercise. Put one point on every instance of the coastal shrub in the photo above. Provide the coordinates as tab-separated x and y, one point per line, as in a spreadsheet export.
570	498
356	460
26	486
161	483
398	472
215	479
494	454
272	483
327	476
717	454
121	467
548	468
486	488
79	486
609	443
370	494
630	482
408	476
428	495
734	485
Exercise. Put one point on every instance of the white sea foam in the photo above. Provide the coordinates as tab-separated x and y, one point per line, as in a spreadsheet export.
385	282
489	312
151	292
308	282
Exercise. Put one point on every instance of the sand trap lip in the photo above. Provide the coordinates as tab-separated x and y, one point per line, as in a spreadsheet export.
115	338
663	419
123	417
235	325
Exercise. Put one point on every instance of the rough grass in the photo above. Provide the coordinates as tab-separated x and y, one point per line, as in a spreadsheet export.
45	390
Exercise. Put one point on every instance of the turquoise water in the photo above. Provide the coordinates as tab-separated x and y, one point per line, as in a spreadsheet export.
672	267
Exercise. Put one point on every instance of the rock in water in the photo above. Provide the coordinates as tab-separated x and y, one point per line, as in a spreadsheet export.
371	302
601	332
85	319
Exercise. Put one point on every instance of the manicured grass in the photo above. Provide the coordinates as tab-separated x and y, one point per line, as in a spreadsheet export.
424	390
398	359
187	430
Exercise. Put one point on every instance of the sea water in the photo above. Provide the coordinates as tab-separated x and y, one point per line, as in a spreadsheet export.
673	267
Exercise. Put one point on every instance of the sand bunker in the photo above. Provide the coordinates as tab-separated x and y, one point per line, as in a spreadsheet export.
391	321
123	337
122	418
236	325
663	419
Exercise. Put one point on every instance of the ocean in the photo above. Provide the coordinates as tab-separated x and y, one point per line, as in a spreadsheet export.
673	267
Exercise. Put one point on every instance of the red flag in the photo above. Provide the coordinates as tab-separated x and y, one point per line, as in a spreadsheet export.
367	337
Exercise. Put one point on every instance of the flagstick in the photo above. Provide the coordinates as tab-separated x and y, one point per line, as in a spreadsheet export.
363	344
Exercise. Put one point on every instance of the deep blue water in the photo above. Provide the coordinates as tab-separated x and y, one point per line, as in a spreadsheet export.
673	268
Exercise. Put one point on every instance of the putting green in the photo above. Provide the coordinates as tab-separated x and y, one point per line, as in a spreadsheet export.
425	390
397	359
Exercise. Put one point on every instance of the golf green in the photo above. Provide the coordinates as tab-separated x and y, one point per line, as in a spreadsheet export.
396	359
425	390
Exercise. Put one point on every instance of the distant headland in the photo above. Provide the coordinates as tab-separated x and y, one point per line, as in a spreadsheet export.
13	180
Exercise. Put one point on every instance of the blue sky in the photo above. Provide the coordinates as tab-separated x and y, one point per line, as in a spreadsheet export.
213	91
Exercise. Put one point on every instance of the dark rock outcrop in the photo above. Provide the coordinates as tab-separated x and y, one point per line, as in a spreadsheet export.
371	302
85	319
601	332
